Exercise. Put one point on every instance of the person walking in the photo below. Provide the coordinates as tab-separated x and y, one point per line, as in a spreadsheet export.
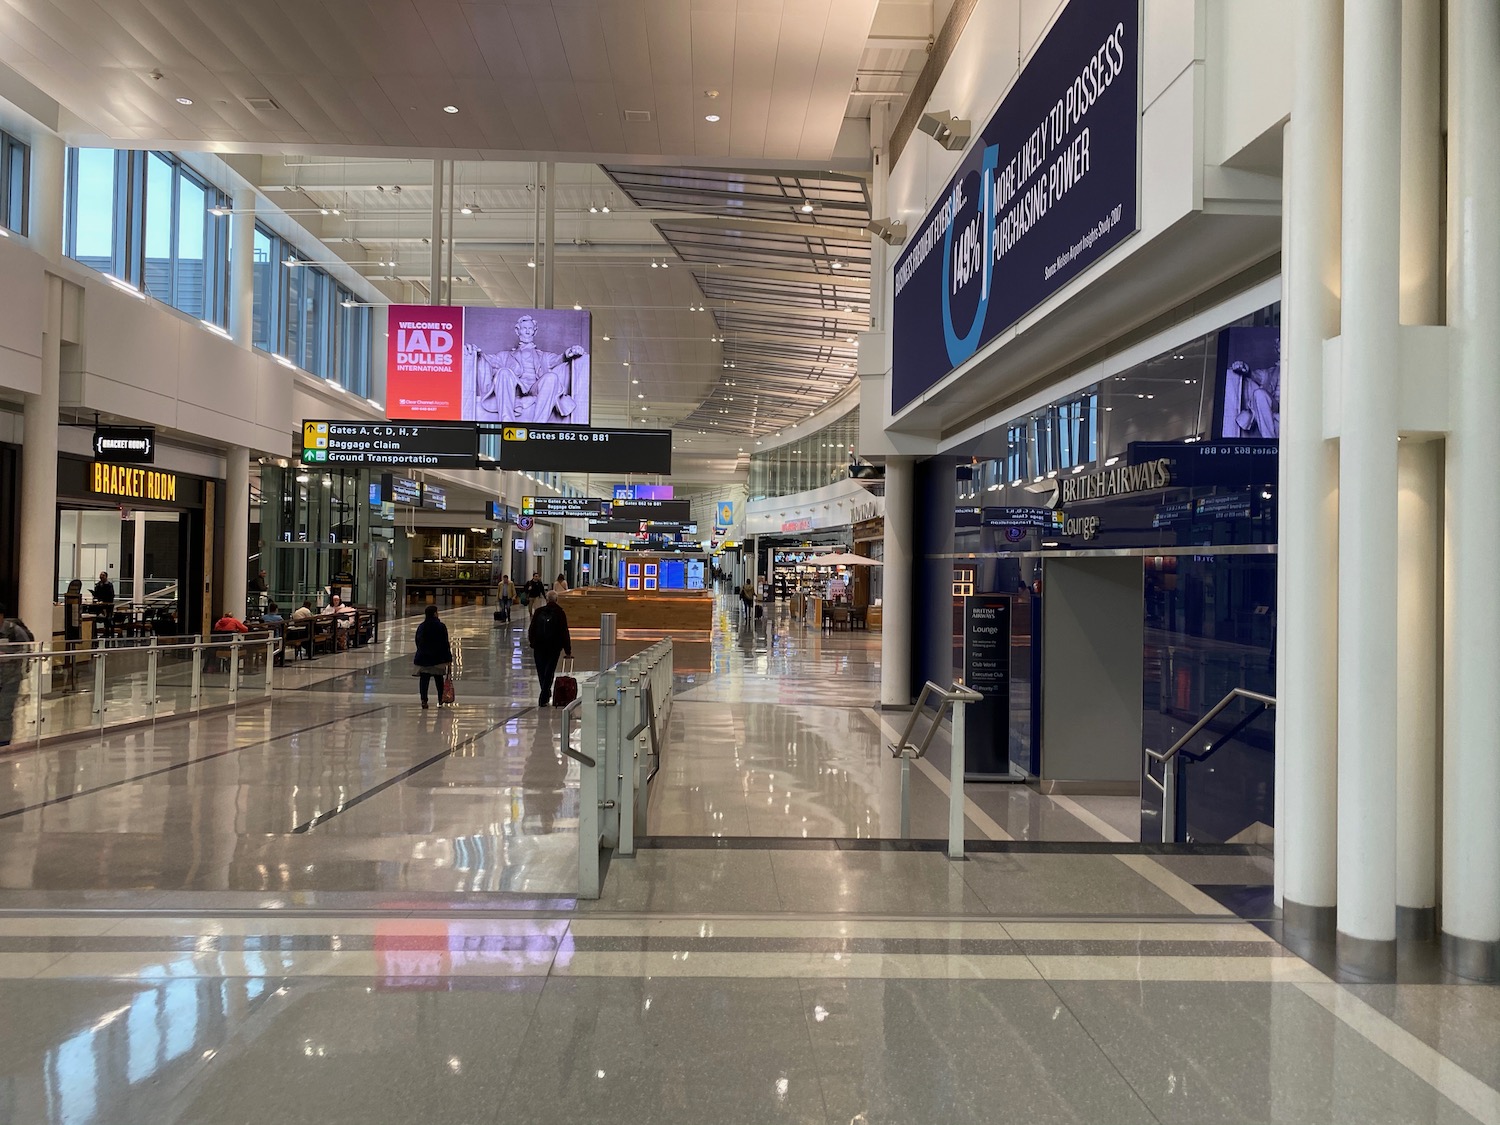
13	636
534	592
507	596
550	640
434	655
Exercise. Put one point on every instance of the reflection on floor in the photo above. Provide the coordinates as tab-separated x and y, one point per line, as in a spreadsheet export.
344	908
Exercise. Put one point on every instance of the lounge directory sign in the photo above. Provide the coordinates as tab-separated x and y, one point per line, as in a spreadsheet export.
1047	189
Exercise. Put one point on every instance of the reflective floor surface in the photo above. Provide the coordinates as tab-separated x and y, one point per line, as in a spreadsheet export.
342	908
701	1017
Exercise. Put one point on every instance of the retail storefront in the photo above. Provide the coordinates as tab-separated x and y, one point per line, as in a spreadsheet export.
1127	534
153	531
325	529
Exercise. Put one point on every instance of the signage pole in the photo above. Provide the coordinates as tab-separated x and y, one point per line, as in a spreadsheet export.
536	237
549	275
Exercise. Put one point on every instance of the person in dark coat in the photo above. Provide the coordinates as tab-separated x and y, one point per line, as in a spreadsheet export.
550	640
434	653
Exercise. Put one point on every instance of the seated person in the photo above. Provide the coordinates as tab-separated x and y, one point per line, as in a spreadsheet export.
229	623
272	614
343	617
304	612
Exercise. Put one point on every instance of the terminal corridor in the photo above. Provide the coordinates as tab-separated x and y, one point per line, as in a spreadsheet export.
190	908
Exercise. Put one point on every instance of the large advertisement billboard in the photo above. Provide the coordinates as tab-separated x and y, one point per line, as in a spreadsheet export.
527	366
1048	188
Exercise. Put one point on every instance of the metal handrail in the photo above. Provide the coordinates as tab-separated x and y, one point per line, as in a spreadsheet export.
1167	786
567	735
946	698
958	697
1193	732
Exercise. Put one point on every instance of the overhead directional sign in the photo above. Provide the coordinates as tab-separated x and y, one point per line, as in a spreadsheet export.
679	511
565	507
640	527
579	449
415	444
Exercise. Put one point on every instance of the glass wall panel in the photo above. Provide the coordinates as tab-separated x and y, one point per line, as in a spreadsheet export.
15	174
262	332
191	257
92	226
157	275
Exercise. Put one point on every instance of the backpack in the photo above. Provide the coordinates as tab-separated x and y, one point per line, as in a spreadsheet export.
15	631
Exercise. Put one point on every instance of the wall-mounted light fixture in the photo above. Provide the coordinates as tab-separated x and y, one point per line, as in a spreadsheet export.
949	131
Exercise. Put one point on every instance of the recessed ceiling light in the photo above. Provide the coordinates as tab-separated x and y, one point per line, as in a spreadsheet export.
450	109
184	101
711	117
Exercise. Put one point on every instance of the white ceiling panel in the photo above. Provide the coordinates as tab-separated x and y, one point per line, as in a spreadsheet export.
564	73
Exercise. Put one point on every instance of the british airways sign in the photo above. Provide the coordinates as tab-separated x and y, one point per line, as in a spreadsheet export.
1048	189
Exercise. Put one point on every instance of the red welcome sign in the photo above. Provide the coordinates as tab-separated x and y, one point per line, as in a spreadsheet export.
424	362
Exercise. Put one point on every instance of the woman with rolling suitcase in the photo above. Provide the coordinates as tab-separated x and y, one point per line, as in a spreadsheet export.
434	657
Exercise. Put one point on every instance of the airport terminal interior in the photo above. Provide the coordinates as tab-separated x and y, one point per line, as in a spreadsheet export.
859	562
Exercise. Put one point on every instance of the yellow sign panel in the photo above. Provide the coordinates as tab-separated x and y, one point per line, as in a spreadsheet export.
513	433
314	435
132	484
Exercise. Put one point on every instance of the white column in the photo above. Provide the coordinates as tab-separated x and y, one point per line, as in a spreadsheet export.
1371	260
236	528
1307	575
45	198
1471	762
138	562
1420	468
39	478
435	282
895	610
242	268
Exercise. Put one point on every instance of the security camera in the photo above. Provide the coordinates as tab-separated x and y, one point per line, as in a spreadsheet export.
949	131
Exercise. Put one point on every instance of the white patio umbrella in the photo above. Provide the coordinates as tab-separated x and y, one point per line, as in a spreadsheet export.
843	558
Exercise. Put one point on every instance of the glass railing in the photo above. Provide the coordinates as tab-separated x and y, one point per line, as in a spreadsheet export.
59	692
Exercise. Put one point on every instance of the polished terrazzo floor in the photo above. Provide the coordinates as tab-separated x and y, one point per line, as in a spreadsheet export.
341	909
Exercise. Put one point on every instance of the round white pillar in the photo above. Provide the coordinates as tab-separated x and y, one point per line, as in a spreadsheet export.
895	609
45	195
242	268
1420	471
236	528
1307	574
1471	762
1370	375
39	478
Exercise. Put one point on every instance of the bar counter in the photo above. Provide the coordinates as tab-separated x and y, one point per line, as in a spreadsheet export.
665	611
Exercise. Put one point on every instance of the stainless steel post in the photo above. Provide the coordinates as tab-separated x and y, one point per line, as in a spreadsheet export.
153	653
905	797
1169	801
99	686
607	630
589	794
956	783
234	669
